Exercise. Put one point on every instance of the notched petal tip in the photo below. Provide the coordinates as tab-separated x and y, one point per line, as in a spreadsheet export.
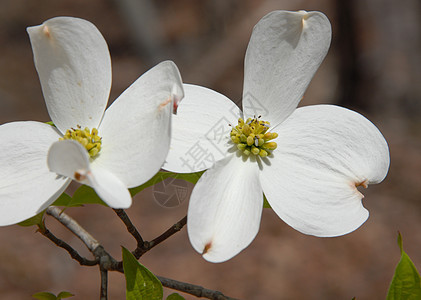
164	103
363	183
304	16
176	95
80	175
207	247
46	31
175	98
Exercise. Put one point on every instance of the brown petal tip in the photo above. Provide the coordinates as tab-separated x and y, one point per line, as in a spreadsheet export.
363	183
207	247
46	31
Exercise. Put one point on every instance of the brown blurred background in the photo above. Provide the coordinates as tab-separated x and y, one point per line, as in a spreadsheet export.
373	67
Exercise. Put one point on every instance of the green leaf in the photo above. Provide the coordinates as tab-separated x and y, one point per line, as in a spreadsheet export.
190	177
406	283
85	195
265	202
63	200
63	295
44	296
50	296
162	175
50	123
140	282
175	296
35	220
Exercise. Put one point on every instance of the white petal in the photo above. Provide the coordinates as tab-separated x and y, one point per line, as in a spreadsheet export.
74	67
136	128
109	188
284	52
324	152
26	185
70	159
225	209
201	130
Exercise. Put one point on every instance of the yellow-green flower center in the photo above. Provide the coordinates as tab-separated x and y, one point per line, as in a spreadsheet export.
89	139
252	137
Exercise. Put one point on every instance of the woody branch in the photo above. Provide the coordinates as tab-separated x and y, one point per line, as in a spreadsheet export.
107	263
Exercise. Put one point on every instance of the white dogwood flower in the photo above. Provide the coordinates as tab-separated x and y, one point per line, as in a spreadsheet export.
307	161
111	151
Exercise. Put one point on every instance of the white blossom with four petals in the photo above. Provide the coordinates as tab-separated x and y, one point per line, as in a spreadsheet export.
74	67
324	152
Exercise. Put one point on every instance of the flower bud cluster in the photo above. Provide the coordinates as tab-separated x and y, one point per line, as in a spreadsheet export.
252	137
89	139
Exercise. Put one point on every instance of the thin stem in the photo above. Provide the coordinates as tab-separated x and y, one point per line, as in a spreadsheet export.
145	246
104	283
73	253
108	263
105	259
172	230
188	288
192	289
133	231
74	227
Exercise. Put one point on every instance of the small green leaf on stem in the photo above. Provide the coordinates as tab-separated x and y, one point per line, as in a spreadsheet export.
44	296
175	296
406	283
141	284
37	220
63	295
50	296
